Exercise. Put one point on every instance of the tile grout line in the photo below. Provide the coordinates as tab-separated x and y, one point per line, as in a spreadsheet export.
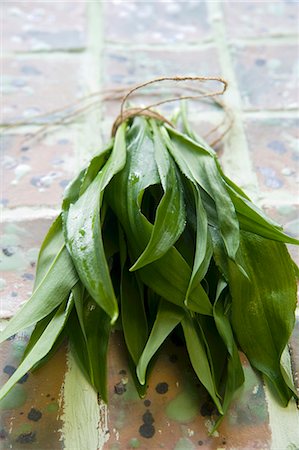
77	432
237	161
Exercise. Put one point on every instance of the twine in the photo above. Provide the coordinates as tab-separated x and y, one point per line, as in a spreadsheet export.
127	113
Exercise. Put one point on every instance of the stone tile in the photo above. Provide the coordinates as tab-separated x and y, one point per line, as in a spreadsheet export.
44	26
37	85
149	22
273	145
20	242
247	19
267	75
35	173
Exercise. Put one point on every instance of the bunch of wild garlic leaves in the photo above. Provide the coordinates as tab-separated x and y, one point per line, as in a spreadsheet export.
153	233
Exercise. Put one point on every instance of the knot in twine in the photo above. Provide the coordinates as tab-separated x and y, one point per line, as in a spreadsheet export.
126	114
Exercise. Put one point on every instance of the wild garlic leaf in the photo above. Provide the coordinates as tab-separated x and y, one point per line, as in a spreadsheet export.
263	307
203	245
91	343
168	317
169	275
84	236
133	313
170	216
42	346
200	167
234	377
199	359
59	276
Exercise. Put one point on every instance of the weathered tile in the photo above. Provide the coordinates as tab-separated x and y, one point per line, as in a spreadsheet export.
36	172
247	19
20	242
31	412
273	145
42	26
147	22
176	413
38	85
267	75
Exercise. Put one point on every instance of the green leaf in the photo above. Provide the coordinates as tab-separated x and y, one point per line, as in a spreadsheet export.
234	372
42	346
203	246
133	314
199	165
168	317
89	334
57	276
169	275
263	306
170	216
198	355
83	232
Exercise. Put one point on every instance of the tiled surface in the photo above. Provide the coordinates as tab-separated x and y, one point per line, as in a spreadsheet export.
156	22
20	242
267	75
53	52
251	19
36	171
273	145
34	85
41	26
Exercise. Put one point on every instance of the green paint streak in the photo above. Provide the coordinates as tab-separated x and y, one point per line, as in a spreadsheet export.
24	428
18	347
120	420
134	443
185	406
2	284
184	444
52	407
15	398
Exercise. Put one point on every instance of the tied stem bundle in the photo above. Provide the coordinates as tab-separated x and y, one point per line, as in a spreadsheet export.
152	234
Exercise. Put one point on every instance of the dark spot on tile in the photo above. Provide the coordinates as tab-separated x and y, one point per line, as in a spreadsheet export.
14	294
26	438
147	430
52	399
28	276
9	370
48	395
34	414
148	417
173	358
122	372
30	70
23	379
120	388
200	442
260	62
32	264
223	441
35	181
21	413
207	409
147	403
24	148
3	433
63	141
277	147
8	251
162	388
64	183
